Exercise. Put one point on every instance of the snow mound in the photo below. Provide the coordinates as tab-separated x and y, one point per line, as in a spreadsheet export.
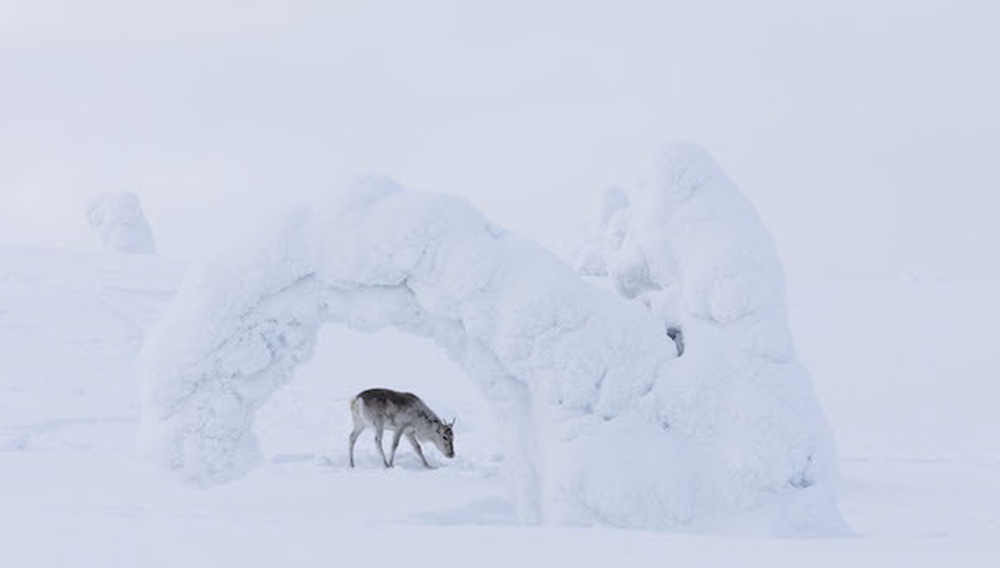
119	219
603	422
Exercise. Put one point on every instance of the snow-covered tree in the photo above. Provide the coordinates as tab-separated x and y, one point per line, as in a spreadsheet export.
119	219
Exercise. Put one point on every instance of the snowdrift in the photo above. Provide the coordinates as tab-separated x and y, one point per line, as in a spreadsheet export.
607	420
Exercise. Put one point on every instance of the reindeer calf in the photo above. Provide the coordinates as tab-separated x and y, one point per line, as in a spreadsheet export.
404	414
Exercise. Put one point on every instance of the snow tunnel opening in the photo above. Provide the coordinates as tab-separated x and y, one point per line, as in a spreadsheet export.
309	418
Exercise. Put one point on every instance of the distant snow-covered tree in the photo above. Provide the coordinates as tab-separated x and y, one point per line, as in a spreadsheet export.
119	219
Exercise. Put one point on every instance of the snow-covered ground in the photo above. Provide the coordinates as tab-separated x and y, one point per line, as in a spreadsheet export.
900	366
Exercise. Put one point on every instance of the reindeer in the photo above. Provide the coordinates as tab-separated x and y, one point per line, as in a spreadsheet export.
404	414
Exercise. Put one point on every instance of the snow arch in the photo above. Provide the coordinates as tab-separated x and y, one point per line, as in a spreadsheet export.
604	423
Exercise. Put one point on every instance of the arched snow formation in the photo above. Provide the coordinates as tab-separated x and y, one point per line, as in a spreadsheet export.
604	423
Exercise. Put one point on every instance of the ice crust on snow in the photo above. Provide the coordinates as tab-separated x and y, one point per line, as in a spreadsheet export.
603	422
119	219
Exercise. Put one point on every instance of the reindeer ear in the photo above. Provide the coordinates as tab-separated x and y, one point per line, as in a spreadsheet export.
452	422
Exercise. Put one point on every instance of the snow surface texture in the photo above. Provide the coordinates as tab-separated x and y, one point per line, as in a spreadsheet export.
604	423
118	217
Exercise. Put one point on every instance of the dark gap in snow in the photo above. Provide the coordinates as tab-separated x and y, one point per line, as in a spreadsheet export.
677	335
803	479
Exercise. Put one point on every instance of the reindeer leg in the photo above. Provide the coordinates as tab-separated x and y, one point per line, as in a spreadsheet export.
412	437
378	444
395	444
354	438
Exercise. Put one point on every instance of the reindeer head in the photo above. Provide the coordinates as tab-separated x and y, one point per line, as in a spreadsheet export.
444	438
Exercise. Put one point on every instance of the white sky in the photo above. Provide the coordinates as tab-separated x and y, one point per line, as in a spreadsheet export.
867	133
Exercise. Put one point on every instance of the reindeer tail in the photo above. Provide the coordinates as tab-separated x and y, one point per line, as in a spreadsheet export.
356	409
